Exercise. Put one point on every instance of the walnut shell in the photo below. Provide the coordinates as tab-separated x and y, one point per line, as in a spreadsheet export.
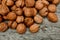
29	3
45	2
11	16
39	5
21	28
55	1
34	28
3	27
52	17
19	3
14	25
29	11
20	19
4	9
19	11
9	2
43	12
28	21
38	19
52	8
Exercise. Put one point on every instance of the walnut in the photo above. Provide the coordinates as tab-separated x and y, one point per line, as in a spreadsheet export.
52	17
11	16
29	11
29	3
19	3
34	28
21	28
38	19
19	11
3	27
29	21
20	19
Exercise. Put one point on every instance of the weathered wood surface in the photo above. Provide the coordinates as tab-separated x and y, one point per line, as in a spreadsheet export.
52	32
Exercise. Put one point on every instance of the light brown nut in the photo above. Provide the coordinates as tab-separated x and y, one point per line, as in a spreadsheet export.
11	16
52	8
14	25
9	2
45	2
19	11
55	1
10	23
38	19
34	28
19	3
39	5
29	3
21	28
45	9
52	17
4	9
43	12
3	27
13	8
19	19
29	11
29	21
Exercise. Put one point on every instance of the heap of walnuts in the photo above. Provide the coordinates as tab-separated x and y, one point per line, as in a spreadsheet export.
23	14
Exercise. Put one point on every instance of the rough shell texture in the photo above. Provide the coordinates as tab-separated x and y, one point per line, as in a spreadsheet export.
11	16
52	8
20	19
21	28
43	12
52	17
39	5
19	11
34	28
29	21
55	1
29	3
3	27
3	9
19	3
14	25
38	19
9	2
29	11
